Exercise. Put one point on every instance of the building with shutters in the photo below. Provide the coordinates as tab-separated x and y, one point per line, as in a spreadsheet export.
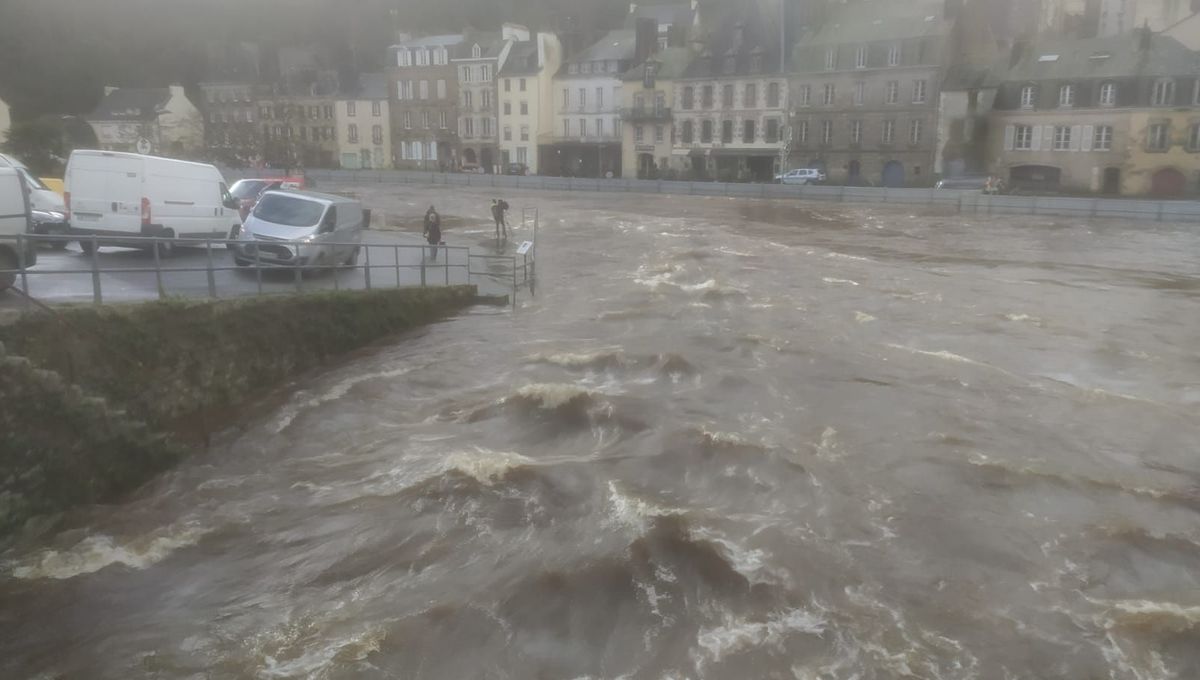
423	102
526	94
865	90
478	60
364	125
1117	115
647	115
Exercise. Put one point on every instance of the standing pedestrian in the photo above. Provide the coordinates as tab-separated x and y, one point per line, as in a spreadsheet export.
433	231
498	208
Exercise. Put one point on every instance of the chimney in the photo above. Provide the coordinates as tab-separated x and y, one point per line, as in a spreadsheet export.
1017	53
646	41
109	89
1145	37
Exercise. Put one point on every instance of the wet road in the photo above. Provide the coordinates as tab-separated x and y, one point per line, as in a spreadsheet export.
728	439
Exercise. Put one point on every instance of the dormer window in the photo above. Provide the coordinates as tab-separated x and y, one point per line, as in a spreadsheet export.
730	65
831	59
1066	96
1108	94
1028	96
1164	93
476	52
756	63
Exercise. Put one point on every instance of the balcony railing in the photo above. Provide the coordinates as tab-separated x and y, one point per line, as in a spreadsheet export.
646	113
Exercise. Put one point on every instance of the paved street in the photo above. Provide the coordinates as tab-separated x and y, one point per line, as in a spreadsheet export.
66	276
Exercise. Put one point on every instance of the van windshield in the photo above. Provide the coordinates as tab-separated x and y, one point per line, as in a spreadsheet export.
289	211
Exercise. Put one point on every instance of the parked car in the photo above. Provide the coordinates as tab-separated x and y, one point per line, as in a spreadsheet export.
966	183
14	220
247	191
329	226
517	169
50	223
41	197
801	176
124	194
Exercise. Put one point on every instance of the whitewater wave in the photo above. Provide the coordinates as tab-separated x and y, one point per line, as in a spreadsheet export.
99	551
484	465
1149	616
839	282
736	635
293	410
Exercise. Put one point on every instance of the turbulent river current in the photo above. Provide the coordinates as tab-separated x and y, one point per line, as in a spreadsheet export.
727	440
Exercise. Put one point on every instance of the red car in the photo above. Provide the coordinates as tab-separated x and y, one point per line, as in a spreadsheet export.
247	191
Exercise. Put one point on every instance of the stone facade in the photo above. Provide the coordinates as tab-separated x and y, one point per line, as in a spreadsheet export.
423	103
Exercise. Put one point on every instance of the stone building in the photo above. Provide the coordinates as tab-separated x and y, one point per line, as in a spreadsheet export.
363	123
231	133
298	131
648	125
864	92
1112	115
477	61
526	93
423	102
731	101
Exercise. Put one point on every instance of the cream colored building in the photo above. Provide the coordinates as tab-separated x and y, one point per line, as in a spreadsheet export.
364	131
649	127
526	94
159	121
5	121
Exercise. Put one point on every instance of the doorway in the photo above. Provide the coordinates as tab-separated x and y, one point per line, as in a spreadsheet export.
646	169
485	159
1168	182
1112	181
893	174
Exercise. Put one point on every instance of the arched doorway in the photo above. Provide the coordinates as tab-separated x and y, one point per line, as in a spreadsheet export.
469	157
1112	181
893	174
486	160
1037	178
1168	182
854	169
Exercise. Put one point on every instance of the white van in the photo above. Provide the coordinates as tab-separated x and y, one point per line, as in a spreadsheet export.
123	194
14	220
41	197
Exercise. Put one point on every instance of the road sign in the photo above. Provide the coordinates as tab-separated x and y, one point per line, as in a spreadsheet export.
143	146
524	247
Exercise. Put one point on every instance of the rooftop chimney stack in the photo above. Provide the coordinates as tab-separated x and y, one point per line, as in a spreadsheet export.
646	39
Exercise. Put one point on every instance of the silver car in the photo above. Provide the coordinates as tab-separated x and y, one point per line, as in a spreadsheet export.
300	229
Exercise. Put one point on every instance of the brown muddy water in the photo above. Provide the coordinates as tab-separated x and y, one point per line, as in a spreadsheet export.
727	440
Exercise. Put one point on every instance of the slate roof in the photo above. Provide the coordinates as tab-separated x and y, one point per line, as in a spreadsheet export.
140	104
742	33
522	59
491	44
373	86
880	20
445	40
1065	59
618	45
672	63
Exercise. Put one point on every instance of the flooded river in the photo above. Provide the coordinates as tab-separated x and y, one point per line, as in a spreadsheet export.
727	440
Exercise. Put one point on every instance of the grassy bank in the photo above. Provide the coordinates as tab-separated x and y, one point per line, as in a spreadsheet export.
95	400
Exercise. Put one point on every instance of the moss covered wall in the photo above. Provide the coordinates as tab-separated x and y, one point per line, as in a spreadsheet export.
93	400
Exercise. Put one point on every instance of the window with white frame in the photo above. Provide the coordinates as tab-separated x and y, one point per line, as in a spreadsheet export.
441	89
508	108
583	127
582	98
894	55
425	119
1023	137
706	132
1164	92
856	129
351	109
468	99
522	84
400	90
566	99
469	127
351	133
658	133
919	91
1066	96
860	93
487	127
1102	138
376	109
1108	94
487	100
827	132
599	98
566	127
377	134
508	133
892	92
524	108
914	131
599	127
860	57
750	96
524	133
638	134
689	98
773	99
831	59
889	132
522	155
687	132
465	74
445	120
801	136
827	100
408	120
804	95
1028	96
404	58
1159	137
1062	138
476	52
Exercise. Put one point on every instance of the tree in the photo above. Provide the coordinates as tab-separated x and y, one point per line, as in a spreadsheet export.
40	144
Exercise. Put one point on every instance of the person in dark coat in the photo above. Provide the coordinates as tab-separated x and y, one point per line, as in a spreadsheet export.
433	231
498	208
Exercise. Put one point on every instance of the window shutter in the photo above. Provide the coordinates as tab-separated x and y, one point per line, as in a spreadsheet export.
1010	132
1037	138
1048	137
1076	134
1089	132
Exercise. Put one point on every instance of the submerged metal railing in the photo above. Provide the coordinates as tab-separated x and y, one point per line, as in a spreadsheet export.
440	265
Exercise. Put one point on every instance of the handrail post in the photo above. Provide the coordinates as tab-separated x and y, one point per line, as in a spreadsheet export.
258	268
367	266
514	277
212	280
422	269
447	265
396	259
158	279
23	269
97	296
299	273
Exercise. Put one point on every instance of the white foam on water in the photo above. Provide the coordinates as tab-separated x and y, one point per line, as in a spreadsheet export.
99	551
1162	616
629	511
736	635
839	282
829	448
751	563
580	359
1018	318
552	395
843	256
312	663
292	411
863	317
484	465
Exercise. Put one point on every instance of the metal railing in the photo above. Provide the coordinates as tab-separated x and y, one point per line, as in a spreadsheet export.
390	265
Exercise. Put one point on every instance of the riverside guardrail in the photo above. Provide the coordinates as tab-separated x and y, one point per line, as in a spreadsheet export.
379	266
963	202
